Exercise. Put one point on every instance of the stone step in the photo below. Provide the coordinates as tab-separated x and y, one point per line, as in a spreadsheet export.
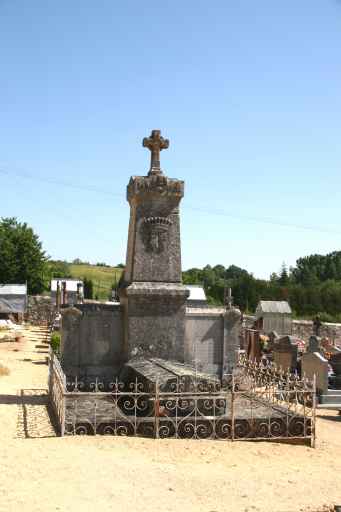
334	392
329	406
330	399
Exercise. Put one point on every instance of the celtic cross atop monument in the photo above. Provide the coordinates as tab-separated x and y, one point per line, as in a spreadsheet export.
155	143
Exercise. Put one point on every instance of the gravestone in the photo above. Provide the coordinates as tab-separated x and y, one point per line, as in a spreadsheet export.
335	363
91	341
151	293
285	354
314	364
314	344
273	338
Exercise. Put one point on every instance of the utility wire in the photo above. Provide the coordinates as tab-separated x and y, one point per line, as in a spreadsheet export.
264	220
52	181
218	212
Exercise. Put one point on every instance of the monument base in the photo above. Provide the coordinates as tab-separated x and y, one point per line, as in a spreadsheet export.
154	320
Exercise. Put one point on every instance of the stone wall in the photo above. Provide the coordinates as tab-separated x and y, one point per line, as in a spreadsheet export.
304	329
40	310
92	342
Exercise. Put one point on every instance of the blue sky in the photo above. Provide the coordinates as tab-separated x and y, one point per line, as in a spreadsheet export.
247	92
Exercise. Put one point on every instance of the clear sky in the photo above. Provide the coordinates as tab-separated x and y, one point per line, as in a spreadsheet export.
248	92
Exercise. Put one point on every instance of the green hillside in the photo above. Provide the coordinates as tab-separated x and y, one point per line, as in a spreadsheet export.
103	278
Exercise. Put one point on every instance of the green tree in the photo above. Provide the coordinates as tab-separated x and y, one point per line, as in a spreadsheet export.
21	255
58	268
88	288
284	276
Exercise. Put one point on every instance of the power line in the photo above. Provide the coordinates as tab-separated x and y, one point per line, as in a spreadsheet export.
264	220
52	181
206	211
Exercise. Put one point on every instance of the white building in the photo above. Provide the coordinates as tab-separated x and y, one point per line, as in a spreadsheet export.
13	299
197	297
73	290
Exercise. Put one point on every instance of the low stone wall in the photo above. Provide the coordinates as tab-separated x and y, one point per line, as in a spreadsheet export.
40	309
304	329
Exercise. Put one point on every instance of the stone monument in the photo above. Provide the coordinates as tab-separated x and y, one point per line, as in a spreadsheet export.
153	319
285	353
151	292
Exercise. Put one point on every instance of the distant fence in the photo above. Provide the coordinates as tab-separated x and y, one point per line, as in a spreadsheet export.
257	402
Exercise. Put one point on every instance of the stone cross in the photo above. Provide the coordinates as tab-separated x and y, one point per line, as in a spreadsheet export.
155	143
228	299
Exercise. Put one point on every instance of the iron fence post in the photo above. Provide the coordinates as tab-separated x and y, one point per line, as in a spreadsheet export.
232	408
50	375
313	419
157	408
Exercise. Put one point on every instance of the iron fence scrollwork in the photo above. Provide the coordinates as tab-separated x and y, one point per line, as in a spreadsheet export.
256	402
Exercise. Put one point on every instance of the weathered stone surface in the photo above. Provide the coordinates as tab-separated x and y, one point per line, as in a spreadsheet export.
212	338
153	252
154	321
285	353
231	344
166	375
40	310
92	340
314	364
204	338
152	295
314	344
304	329
150	323
155	143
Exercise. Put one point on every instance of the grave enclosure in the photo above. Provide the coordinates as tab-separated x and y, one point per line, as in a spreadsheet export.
152	365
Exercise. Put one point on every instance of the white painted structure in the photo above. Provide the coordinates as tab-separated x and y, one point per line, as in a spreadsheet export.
197	296
13	298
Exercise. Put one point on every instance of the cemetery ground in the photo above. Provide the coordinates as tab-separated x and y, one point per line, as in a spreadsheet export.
42	472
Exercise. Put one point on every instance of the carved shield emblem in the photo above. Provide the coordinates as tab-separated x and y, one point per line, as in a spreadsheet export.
155	232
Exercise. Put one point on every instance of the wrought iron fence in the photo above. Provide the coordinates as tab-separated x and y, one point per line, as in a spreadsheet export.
256	402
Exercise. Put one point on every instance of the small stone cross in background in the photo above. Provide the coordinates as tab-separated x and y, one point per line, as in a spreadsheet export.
228	299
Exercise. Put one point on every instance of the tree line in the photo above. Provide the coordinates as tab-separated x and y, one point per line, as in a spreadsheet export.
23	260
312	286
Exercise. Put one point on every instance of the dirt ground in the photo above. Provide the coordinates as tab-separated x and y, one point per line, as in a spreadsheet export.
42	472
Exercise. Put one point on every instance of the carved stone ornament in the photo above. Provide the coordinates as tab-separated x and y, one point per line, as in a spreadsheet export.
155	143
155	233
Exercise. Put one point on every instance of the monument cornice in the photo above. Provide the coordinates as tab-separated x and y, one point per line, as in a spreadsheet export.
154	185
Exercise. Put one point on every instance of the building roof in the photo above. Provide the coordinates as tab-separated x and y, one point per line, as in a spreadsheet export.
196	292
13	289
71	284
273	306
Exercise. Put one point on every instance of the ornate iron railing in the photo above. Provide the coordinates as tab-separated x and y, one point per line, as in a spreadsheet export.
256	402
57	390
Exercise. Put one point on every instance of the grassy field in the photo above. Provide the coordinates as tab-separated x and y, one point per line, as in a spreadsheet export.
102	277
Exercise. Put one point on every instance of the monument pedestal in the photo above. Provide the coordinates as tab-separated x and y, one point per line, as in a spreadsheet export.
154	320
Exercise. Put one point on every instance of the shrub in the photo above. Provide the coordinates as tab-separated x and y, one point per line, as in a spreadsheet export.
55	341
